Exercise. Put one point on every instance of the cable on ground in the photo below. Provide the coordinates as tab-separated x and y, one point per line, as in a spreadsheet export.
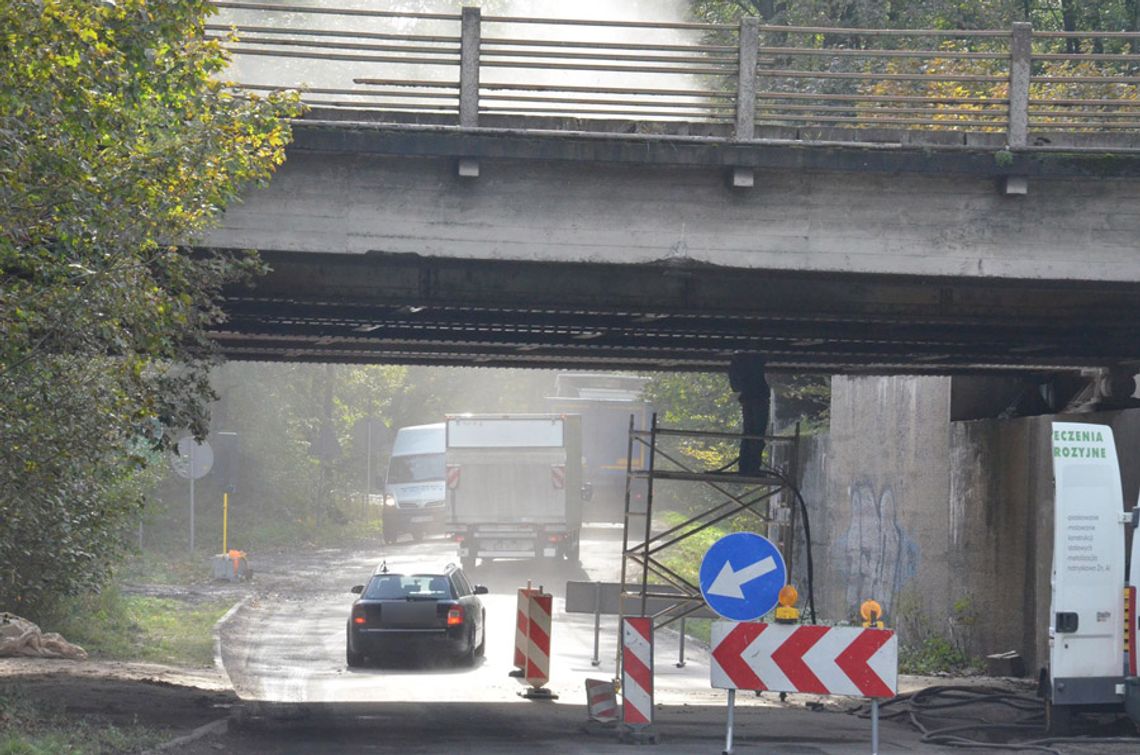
918	707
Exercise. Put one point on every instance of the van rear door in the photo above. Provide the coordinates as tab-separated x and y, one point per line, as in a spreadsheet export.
1086	627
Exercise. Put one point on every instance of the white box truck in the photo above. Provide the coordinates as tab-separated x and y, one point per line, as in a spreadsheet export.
515	485
605	402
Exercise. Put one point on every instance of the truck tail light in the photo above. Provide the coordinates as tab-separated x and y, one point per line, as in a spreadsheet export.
455	616
558	476
452	476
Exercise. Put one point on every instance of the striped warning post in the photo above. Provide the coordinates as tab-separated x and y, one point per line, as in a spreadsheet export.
600	701
637	671
522	628
538	639
532	642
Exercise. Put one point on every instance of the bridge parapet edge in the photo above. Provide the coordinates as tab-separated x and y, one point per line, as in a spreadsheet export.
697	145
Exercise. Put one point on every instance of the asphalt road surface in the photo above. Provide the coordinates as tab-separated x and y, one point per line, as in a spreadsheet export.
287	644
284	654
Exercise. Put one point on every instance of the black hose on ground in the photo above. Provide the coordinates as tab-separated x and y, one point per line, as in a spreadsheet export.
948	697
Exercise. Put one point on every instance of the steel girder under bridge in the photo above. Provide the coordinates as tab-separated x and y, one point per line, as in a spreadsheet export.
383	308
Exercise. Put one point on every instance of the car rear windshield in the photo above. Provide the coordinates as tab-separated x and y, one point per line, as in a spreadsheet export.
408	587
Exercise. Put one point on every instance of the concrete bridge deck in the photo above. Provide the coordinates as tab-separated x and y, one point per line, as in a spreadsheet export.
466	191
635	251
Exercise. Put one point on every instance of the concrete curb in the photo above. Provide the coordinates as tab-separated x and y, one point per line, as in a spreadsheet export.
219	663
221	726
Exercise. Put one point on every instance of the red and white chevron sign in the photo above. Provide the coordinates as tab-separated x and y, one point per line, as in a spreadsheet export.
805	658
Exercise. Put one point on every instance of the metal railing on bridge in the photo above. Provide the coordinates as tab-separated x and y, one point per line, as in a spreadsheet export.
741	81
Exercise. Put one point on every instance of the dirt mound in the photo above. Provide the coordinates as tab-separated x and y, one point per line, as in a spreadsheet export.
122	693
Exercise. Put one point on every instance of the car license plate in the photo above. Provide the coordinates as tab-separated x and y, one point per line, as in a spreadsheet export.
421	518
511	545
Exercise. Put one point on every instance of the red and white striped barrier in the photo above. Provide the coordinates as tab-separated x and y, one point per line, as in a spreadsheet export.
522	628
601	701
637	671
532	640
538	648
808	658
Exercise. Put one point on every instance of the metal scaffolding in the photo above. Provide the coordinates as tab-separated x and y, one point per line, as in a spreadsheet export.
647	581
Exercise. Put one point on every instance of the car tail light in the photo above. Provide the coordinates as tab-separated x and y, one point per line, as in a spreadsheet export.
553	538
457	538
455	616
358	616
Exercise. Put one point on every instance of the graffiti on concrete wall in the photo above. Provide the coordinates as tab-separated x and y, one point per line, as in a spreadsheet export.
878	556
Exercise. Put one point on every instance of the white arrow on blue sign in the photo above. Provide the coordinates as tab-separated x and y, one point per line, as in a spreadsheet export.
741	576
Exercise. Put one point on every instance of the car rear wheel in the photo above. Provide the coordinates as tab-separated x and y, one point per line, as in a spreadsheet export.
353	659
391	537
467	657
467	563
481	649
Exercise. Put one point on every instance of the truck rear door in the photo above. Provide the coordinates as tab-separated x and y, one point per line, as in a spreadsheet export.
508	470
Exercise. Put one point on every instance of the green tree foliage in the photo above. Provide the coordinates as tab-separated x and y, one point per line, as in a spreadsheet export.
942	81
287	492
705	401
1066	15
289	487
116	142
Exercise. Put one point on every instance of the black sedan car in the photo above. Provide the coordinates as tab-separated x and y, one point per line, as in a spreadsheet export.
436	611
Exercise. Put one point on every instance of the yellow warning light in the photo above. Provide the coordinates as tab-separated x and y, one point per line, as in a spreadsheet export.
789	596
786	612
872	614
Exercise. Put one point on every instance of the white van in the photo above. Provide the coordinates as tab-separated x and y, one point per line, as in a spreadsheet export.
415	489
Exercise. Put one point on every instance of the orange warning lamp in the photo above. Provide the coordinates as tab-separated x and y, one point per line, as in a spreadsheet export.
786	612
872	614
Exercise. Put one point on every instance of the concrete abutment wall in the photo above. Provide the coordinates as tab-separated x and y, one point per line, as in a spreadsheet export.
947	524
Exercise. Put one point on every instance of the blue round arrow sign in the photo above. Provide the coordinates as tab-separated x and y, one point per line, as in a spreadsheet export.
741	576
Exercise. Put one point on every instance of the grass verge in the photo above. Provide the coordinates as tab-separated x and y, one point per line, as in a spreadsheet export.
135	627
36	727
169	563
